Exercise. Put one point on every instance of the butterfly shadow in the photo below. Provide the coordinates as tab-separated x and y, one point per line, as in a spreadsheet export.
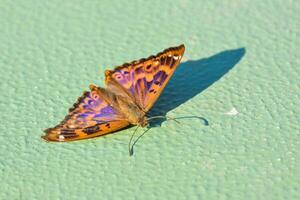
193	77
189	80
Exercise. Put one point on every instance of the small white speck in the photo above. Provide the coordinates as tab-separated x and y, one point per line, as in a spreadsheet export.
175	57
61	137
170	55
232	112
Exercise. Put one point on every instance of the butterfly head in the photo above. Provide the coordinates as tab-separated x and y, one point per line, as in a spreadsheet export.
143	121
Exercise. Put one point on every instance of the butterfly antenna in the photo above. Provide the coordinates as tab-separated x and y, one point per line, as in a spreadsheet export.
130	149
164	117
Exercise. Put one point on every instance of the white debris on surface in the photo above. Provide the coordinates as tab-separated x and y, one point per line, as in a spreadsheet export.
232	112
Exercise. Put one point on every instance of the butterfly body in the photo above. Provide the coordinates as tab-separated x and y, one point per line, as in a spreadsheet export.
128	109
131	91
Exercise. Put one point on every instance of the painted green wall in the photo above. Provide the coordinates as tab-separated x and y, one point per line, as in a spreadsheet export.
240	56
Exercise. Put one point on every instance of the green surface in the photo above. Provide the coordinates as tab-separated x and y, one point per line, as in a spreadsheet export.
239	54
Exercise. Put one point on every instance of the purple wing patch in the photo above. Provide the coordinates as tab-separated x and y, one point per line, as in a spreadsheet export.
90	109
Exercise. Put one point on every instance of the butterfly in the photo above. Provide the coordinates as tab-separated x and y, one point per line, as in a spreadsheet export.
132	89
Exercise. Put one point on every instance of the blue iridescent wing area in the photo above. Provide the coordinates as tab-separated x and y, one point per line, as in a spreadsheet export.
89	117
145	79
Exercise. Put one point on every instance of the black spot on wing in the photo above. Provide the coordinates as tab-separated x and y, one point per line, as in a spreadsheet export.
68	133
139	70
172	63
157	83
168	60
152	91
91	129
162	60
69	136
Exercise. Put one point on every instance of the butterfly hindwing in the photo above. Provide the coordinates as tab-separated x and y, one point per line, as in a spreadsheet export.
90	116
145	79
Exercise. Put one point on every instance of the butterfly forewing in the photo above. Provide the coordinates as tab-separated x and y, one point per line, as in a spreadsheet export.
90	116
145	79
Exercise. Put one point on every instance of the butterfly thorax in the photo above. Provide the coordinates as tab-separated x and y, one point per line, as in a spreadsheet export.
132	112
126	108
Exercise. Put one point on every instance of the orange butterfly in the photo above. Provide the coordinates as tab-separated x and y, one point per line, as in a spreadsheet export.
131	91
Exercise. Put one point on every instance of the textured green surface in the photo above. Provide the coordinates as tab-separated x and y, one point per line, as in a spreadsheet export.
52	50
